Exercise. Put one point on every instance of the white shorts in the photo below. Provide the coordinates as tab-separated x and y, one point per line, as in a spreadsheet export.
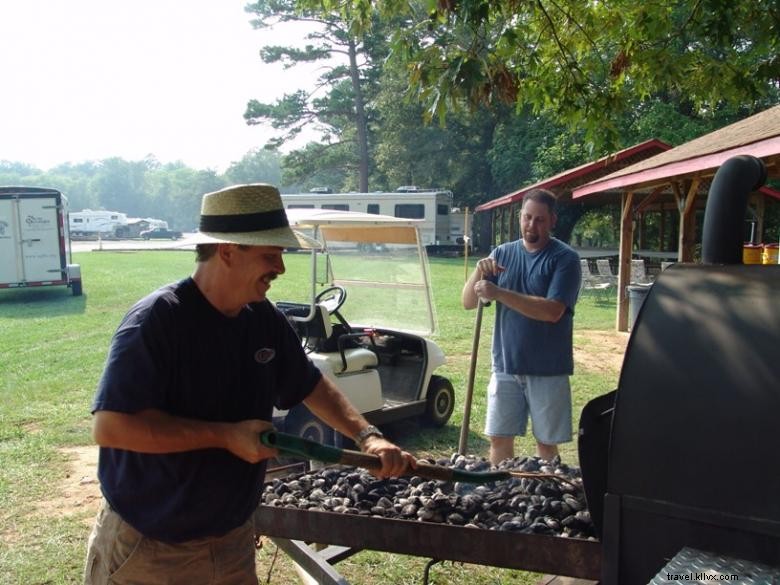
547	399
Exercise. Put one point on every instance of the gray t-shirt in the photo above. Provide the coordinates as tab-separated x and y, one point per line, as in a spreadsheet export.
525	346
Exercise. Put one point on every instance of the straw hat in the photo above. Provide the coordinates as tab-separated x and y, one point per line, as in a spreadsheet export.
252	215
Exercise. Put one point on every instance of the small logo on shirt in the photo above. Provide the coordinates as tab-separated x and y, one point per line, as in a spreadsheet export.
265	355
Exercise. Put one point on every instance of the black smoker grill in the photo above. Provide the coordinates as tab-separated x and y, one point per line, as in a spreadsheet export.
683	454
693	454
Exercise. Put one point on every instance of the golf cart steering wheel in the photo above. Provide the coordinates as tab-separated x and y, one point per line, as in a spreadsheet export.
332	298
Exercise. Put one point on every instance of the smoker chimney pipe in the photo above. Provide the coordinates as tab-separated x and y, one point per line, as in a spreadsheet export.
724	216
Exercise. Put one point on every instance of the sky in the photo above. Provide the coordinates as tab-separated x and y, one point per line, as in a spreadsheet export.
92	79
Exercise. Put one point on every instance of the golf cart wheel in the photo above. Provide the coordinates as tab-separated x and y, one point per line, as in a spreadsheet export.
440	401
75	288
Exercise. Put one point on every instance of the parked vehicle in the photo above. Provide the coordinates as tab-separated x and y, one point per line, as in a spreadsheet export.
88	222
160	233
34	239
374	346
433	207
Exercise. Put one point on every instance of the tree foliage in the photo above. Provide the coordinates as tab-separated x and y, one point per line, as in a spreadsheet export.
144	188
586	63
550	84
454	156
341	97
256	166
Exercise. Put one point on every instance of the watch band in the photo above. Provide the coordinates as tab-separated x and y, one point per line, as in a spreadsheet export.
369	431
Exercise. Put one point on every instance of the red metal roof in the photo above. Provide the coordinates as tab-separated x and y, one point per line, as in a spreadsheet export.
758	135
579	175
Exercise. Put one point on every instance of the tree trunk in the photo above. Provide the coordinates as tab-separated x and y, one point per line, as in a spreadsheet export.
360	119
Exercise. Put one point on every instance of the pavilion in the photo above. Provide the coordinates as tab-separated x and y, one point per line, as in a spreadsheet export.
682	176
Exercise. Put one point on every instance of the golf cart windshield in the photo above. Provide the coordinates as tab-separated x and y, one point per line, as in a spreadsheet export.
381	263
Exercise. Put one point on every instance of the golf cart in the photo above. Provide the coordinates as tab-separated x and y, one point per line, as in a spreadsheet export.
364	319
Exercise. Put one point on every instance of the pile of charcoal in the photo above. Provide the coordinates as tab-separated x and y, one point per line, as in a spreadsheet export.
528	505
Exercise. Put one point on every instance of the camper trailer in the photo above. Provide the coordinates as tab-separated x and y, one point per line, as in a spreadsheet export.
431	206
102	223
34	240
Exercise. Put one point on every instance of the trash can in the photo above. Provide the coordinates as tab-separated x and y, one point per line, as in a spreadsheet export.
636	297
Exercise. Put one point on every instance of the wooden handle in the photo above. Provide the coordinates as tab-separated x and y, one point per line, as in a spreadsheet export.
368	461
358	459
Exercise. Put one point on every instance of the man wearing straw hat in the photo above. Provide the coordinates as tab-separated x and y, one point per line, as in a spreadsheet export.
191	379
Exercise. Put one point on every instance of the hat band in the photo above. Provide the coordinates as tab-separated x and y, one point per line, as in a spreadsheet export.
247	222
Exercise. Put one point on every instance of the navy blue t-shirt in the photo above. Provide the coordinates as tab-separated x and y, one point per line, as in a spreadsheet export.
175	352
524	346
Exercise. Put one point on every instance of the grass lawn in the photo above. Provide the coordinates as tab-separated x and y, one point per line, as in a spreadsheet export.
52	349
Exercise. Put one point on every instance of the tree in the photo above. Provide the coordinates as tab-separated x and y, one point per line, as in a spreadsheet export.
173	192
451	156
319	165
74	180
119	185
586	63
347	80
514	155
256	166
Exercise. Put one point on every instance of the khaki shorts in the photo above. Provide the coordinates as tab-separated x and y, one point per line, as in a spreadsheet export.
120	555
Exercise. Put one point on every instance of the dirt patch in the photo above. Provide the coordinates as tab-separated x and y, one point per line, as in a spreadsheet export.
79	492
599	351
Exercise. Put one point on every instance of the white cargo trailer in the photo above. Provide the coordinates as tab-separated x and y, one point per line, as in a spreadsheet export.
34	240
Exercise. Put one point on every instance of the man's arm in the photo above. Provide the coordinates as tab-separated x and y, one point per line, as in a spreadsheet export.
486	268
533	307
328	403
154	431
468	297
538	308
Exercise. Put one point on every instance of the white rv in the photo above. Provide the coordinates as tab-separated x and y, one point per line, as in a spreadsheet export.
90	222
431	206
34	240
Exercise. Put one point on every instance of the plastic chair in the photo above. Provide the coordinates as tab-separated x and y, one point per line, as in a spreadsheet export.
639	272
605	271
592	282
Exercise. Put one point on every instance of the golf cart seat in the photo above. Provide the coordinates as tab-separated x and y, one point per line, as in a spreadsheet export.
346	359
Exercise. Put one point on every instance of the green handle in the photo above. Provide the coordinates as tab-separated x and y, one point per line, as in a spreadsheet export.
293	445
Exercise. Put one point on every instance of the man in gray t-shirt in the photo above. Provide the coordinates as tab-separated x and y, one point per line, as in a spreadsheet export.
535	282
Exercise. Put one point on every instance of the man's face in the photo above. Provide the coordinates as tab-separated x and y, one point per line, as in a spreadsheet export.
252	269
536	224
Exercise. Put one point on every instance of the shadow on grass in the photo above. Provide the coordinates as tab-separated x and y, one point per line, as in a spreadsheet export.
420	438
26	303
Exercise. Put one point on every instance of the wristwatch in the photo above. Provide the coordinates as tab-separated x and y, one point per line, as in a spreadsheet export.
369	431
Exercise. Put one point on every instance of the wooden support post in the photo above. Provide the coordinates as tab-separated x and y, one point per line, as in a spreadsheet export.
641	209
687	239
466	244
760	207
662	230
624	260
680	204
514	219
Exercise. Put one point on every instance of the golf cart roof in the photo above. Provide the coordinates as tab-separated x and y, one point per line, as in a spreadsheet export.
380	260
354	226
